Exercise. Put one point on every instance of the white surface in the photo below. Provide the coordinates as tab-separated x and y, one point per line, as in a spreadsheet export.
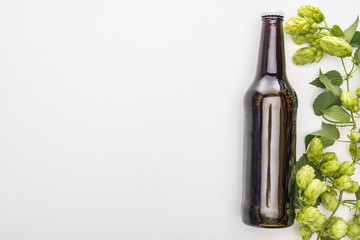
122	119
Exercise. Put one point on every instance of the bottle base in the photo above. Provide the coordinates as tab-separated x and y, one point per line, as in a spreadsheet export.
253	218
267	226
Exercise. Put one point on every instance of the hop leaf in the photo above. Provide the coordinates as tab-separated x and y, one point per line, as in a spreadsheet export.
335	46
299	25
350	32
311	12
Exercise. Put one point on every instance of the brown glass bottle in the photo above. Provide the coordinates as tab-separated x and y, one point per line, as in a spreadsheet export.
270	106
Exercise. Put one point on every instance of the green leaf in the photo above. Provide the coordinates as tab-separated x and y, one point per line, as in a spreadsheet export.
334	76
336	90
296	201
337	113
355	41
324	101
303	160
357	195
328	134
349	33
317	83
308	139
336	31
326	238
357	56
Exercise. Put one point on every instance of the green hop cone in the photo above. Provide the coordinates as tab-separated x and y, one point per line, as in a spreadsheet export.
305	55
305	232
315	151
337	228
304	176
356	219
315	188
316	39
312	217
299	25
329	156
357	205
303	38
299	39
357	92
319	55
335	46
346	168
330	167
311	12
354	187
354	136
348	100
310	201
355	150
329	200
353	229
342	183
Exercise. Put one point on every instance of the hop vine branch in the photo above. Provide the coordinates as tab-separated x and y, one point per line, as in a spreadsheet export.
321	178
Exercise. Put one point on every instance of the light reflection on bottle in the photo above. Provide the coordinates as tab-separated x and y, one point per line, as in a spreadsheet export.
270	157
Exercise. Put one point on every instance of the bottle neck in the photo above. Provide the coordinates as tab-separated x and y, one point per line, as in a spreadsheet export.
271	61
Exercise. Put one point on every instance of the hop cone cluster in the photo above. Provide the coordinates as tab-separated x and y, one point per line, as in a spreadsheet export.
314	189
305	28
329	166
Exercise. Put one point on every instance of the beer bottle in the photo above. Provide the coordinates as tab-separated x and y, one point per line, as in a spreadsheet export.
270	106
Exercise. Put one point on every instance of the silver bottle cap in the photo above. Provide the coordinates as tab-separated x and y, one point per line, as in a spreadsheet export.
273	13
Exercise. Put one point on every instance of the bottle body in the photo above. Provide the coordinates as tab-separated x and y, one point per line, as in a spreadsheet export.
270	108
269	155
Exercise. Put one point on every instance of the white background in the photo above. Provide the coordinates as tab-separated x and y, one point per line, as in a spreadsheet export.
123	119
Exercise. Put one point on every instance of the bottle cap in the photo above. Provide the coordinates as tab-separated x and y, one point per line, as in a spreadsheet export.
272	13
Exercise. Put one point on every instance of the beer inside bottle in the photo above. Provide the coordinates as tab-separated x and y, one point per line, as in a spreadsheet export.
270	106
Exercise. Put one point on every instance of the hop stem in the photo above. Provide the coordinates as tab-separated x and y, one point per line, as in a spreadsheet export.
331	216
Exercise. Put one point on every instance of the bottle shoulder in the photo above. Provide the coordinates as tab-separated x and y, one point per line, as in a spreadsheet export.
271	86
